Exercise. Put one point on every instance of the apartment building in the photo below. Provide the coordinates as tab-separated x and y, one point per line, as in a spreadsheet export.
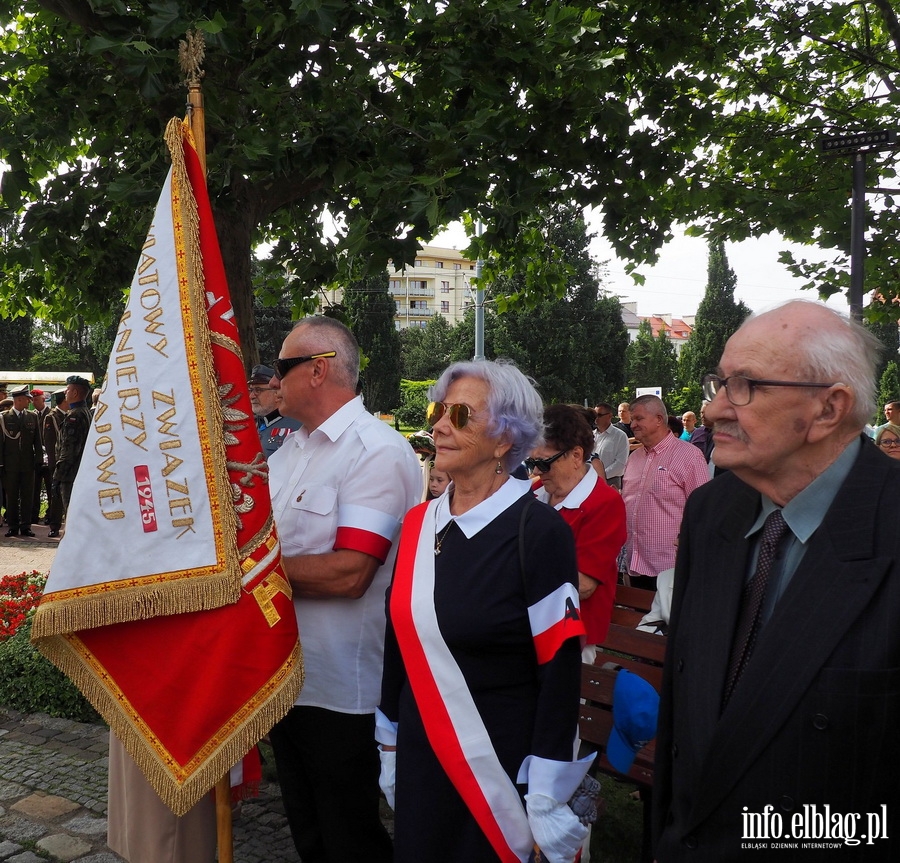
437	284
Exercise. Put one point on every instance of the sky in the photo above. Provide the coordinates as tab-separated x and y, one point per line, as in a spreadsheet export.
675	285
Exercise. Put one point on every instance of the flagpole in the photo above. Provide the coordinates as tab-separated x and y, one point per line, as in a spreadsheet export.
190	54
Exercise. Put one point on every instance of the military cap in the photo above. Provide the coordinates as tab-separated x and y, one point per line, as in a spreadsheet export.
21	391
37	392
261	375
77	380
58	397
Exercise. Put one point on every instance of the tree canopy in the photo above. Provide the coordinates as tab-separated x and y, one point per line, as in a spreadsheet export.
806	70
387	120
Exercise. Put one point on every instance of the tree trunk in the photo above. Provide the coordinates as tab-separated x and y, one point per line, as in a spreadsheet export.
235	229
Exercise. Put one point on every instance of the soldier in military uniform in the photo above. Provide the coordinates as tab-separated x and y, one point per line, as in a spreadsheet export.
73	435
273	428
3	407
43	474
52	426
21	455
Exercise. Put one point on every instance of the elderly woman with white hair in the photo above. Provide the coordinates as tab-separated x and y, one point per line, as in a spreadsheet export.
479	706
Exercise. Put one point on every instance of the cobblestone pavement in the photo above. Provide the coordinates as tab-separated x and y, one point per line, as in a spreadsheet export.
53	782
53	798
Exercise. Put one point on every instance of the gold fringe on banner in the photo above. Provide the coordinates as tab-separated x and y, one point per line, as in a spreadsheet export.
176	788
139	601
209	409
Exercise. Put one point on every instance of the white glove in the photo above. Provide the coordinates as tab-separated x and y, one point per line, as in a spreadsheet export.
388	777
555	827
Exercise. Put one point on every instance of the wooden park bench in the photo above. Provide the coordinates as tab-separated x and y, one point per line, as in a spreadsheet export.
641	653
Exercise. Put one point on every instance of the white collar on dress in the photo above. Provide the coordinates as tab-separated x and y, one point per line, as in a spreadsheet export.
484	513
578	495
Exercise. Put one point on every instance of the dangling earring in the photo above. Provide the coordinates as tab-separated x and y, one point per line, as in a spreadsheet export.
499	468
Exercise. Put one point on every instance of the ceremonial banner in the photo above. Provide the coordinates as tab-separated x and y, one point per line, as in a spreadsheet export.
167	603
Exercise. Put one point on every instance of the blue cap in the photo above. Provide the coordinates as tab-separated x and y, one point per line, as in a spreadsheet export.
635	712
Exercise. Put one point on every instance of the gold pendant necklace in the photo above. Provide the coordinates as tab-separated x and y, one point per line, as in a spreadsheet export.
438	539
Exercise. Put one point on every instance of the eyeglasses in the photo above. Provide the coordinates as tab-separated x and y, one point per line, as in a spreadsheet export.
543	464
739	388
282	367
889	442
459	415
607	414
261	390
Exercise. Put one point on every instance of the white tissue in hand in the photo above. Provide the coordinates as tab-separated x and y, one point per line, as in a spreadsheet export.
556	829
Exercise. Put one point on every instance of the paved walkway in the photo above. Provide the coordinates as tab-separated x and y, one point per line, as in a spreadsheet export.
23	554
53	774
53	797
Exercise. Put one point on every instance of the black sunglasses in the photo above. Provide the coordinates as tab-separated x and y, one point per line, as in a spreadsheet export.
282	367
543	464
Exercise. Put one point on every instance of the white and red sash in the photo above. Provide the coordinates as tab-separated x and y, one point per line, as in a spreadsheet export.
452	722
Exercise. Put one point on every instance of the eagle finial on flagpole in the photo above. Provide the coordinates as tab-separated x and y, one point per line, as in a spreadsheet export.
191	52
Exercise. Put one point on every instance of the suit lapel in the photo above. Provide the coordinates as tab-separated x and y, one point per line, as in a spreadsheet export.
835	582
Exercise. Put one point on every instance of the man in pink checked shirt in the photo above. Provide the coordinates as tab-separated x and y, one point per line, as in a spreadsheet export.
659	477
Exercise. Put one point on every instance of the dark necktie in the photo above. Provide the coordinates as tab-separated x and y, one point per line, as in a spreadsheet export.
774	530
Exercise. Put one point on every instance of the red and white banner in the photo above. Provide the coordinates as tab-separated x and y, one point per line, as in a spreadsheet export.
167	604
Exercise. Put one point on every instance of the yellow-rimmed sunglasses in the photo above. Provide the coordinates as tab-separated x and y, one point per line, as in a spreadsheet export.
459	415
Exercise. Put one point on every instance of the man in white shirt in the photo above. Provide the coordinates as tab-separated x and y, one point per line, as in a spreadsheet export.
611	444
340	488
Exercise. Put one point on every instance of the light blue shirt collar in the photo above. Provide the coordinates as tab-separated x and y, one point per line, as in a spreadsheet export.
805	512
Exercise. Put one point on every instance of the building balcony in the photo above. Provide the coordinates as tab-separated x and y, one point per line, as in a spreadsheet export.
404	291
415	313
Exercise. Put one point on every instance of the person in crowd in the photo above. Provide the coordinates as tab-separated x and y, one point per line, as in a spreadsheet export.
5	404
21	455
438	480
340	487
273	428
779	691
624	421
659	478
43	475
610	444
689	421
52	433
73	436
701	436
892	412
482	663
888	438
423	446
676	426
592	509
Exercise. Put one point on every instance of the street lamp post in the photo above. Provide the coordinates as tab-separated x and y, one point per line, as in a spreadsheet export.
479	303
857	145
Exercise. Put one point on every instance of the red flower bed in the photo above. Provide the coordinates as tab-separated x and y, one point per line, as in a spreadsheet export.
19	595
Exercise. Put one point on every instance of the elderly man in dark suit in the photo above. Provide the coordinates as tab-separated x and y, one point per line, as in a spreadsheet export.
781	696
